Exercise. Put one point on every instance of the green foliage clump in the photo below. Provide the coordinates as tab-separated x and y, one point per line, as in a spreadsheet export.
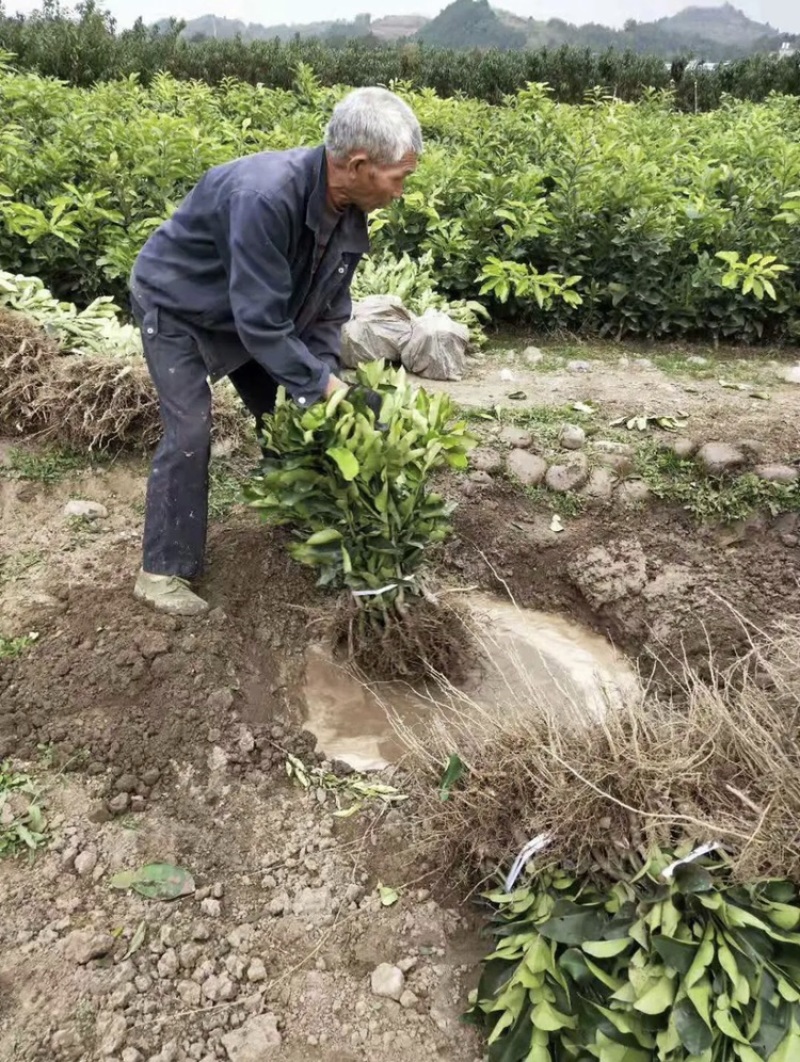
357	492
673	967
607	217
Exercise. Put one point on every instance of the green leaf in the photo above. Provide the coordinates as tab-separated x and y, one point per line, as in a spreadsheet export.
346	461
691	878
324	537
606	949
658	998
453	773
548	1019
388	896
723	1019
695	1035
156	881
677	954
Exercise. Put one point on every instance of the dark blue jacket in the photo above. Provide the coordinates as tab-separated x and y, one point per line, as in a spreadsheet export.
234	263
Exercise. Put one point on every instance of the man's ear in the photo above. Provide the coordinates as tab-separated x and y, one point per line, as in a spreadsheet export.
356	163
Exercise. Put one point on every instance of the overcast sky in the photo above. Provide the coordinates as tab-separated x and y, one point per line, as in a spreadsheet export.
782	14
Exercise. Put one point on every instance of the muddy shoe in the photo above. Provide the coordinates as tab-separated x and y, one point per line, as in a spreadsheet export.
168	593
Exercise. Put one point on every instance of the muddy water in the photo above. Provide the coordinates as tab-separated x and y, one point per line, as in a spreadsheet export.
526	655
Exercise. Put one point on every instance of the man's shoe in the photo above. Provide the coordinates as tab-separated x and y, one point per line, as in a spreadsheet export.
168	593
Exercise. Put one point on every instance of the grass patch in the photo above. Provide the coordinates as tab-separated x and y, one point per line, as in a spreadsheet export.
47	466
11	648
22	822
567	505
224	488
710	498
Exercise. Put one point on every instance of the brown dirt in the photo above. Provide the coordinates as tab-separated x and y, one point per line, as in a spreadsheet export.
184	726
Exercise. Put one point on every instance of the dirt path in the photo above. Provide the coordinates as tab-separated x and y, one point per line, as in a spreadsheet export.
626	384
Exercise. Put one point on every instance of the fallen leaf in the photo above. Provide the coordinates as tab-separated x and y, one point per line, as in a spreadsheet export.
582	407
136	940
388	896
760	394
156	881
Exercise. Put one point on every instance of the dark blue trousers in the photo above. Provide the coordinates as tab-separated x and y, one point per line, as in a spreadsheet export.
176	517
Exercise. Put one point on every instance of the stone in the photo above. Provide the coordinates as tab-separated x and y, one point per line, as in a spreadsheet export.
256	971
632	492
717	458
791	375
696	359
130	1054
579	366
775	474
600	485
683	448
85	510
511	435
533	355
82	945
257	1040
388	982
790	541
572	437
211	907
528	468
119	803
571	474
486	459
126	783
168	964
85	862
605	574
111	1030
408	1000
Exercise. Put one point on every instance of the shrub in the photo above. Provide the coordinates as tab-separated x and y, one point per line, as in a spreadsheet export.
357	496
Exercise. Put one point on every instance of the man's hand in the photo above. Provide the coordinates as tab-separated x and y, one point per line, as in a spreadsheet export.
371	399
334	384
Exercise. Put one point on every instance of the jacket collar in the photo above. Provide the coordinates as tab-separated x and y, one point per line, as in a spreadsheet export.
352	233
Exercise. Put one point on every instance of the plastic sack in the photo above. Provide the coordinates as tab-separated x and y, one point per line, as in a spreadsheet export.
379	328
437	347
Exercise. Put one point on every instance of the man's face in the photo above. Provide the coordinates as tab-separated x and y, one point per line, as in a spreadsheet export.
373	186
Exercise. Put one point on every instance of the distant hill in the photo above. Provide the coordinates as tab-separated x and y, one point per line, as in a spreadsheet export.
711	33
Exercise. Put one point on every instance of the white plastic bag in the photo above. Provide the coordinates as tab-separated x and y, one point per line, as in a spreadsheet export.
379	328
437	347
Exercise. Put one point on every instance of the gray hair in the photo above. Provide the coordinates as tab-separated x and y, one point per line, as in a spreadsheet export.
376	121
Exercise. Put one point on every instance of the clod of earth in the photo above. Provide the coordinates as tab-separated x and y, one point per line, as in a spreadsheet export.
528	468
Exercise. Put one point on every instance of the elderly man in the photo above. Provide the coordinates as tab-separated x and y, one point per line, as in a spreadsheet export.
250	279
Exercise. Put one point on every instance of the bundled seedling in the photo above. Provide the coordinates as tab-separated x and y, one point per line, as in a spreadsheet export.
677	964
358	495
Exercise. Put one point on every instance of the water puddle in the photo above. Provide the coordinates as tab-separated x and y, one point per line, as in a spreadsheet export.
559	662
